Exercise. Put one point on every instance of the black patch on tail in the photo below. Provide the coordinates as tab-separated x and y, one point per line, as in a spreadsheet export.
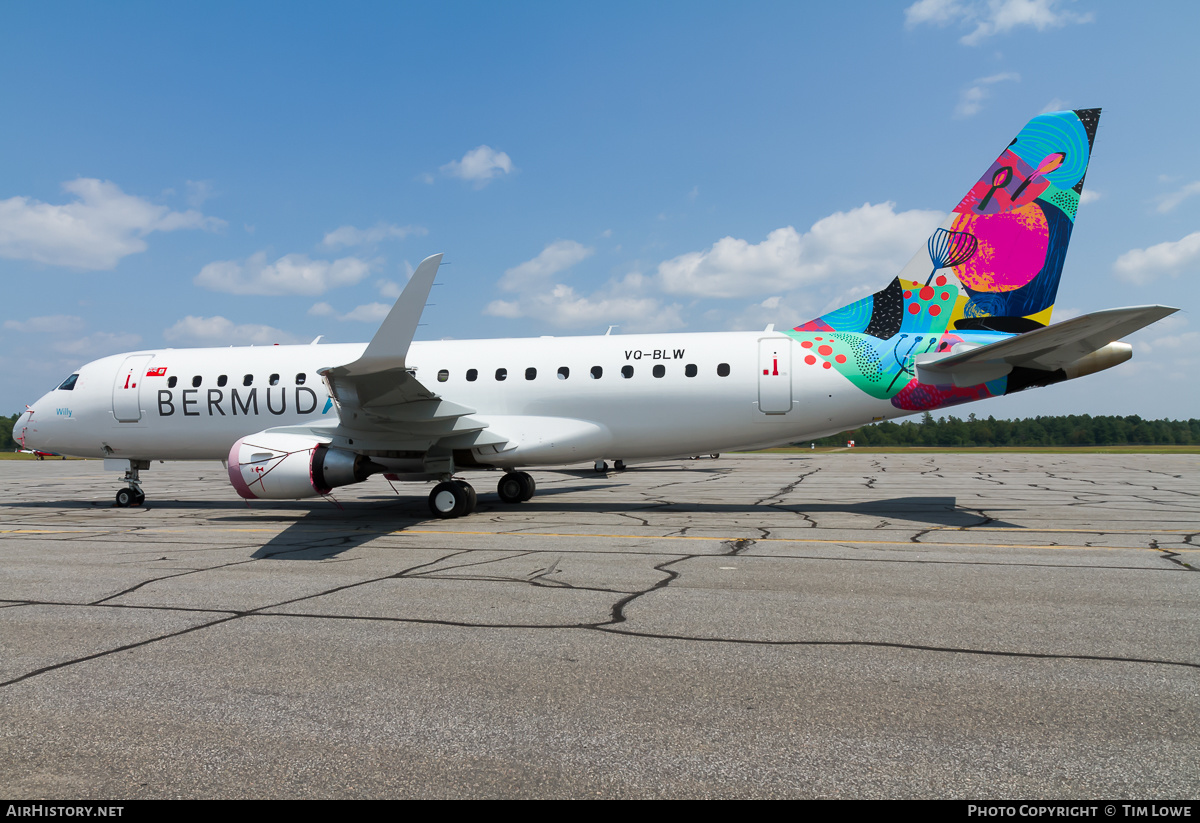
1090	118
887	311
1009	325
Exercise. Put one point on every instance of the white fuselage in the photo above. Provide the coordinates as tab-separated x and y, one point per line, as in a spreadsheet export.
716	392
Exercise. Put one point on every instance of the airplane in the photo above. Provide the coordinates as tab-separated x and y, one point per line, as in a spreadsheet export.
966	319
41	455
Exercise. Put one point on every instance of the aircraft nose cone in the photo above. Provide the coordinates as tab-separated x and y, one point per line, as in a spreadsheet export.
20	431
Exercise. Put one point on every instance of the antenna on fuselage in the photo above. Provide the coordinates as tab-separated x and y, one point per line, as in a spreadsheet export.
610	328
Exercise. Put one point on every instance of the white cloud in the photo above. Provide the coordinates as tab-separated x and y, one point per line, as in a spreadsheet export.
1055	104
992	17
198	192
219	331
1169	202
389	288
555	258
1143	265
1187	341
94	231
99	344
350	236
561	306
937	12
480	166
871	238
1089	196
538	296
970	102
54	323
290	274
369	313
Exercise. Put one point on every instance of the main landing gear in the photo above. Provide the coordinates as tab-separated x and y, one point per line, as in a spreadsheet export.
456	498
602	468
452	498
516	487
132	495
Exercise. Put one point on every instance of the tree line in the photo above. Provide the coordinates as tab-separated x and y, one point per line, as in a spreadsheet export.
1061	430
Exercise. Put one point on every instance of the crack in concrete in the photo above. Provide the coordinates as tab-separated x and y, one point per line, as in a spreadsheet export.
102	601
987	519
1174	557
785	490
618	609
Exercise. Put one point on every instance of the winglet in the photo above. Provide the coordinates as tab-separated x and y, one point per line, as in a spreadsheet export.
389	346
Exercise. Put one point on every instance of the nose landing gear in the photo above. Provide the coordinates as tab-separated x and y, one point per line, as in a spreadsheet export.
132	495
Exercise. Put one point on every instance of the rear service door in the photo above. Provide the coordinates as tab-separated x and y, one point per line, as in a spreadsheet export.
775	375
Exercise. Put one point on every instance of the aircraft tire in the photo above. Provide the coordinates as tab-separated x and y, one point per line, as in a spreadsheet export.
139	498
125	498
448	500
472	497
528	487
511	488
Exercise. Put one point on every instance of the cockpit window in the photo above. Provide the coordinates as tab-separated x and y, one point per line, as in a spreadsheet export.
69	383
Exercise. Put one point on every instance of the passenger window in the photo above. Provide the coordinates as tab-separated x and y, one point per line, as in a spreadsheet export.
530	373
196	381
248	380
472	375
443	375
501	374
722	370
171	381
627	371
222	380
597	372
69	383
274	380
690	370
300	378
660	370
563	372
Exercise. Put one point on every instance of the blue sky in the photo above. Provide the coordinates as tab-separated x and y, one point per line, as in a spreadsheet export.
207	174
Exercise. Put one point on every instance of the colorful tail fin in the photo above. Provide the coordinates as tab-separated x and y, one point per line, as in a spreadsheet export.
993	265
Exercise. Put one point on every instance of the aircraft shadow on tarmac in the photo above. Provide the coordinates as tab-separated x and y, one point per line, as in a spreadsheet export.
327	532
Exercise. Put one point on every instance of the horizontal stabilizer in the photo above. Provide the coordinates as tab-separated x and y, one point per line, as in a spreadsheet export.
1050	348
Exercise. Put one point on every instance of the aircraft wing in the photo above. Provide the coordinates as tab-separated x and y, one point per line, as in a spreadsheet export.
377	395
1047	349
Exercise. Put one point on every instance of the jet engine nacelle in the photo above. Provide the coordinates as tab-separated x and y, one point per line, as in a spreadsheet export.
278	466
